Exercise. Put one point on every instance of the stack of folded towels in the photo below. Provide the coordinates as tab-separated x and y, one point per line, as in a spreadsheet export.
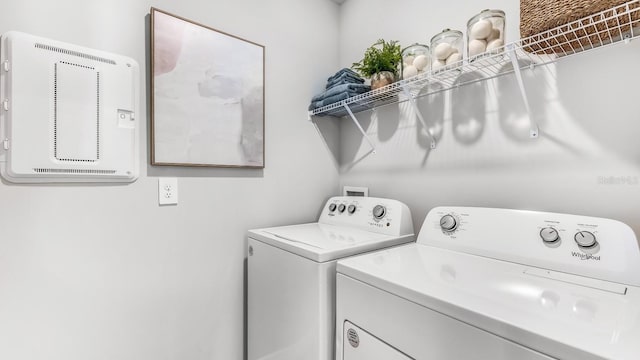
344	84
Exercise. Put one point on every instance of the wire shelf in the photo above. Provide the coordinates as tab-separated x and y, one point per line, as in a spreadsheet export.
614	25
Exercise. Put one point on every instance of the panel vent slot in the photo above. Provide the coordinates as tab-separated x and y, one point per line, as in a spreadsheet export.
73	171
78	160
74	53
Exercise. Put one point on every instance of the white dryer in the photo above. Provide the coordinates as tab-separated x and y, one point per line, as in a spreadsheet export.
495	284
291	274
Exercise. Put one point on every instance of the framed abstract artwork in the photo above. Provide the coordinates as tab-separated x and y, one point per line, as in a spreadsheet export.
207	96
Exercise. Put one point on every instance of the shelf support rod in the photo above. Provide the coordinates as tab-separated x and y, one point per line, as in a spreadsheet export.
412	100
355	121
534	131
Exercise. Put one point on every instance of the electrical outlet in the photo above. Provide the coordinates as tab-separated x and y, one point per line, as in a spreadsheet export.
167	191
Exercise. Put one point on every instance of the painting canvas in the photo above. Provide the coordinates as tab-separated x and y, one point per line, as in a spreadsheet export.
207	96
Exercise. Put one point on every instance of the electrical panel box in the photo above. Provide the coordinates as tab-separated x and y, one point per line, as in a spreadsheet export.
67	113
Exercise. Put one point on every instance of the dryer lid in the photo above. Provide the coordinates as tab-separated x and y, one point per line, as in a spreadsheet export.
559	314
323	242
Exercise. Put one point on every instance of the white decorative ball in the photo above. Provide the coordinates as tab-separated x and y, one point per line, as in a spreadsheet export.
421	62
495	44
408	60
495	34
477	47
409	71
437	64
453	58
442	51
481	29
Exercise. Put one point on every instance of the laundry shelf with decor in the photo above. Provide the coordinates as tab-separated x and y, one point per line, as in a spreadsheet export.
618	24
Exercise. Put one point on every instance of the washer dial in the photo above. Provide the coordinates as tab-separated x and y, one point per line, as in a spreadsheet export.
342	207
379	211
332	207
351	209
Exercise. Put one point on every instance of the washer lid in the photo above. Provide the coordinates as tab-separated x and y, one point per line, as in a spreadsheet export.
323	242
561	315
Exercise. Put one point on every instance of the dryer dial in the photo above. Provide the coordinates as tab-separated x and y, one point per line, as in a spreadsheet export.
585	239
549	235
448	223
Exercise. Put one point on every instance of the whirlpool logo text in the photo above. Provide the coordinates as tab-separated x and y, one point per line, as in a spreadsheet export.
585	256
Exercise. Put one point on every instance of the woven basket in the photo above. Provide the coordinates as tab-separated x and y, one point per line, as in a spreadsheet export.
537	17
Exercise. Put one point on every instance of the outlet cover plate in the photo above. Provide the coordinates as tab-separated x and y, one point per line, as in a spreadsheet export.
167	191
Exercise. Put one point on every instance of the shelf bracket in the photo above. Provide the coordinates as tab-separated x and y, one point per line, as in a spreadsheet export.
534	131
355	121
412	100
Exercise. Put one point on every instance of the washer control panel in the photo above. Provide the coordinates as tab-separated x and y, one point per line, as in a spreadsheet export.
372	214
599	248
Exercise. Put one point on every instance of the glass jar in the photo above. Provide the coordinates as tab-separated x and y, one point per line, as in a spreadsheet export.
485	34
416	60
446	50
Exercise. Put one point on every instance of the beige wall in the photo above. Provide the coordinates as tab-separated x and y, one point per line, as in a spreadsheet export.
587	107
103	272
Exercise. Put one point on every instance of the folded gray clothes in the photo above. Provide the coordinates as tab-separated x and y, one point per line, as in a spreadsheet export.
339	112
332	99
353	88
343	71
345	79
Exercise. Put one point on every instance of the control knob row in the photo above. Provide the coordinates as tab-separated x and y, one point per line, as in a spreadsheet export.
342	207
584	239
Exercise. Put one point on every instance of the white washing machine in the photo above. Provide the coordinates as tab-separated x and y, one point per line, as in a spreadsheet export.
291	274
495	284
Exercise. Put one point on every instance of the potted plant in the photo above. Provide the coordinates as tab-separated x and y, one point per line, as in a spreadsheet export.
380	63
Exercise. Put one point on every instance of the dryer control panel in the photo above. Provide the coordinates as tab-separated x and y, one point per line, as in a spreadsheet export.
594	247
384	216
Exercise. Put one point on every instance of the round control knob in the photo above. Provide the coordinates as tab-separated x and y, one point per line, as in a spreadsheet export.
332	207
448	223
351	209
585	239
549	235
341	208
379	211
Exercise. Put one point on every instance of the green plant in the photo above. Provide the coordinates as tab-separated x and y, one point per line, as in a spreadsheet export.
381	56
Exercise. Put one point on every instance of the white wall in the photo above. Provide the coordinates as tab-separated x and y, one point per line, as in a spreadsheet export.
103	272
587	107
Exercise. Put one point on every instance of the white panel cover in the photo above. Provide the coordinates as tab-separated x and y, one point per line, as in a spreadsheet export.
69	113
